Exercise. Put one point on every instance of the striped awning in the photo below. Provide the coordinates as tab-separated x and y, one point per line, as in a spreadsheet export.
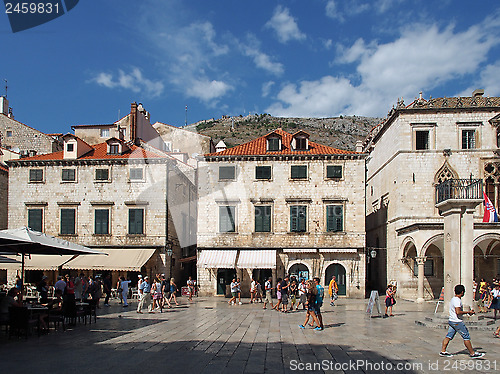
117	259
338	250
36	262
257	259
299	250
217	259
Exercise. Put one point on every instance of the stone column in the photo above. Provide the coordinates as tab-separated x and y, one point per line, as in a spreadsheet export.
467	257
420	294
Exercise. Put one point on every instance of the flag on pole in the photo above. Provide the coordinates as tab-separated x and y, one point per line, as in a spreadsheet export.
490	214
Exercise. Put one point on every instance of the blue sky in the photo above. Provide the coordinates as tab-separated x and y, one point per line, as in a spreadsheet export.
300	58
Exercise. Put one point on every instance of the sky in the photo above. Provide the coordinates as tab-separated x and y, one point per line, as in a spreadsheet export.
295	58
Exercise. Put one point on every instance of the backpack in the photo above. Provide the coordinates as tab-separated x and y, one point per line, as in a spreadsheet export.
320	295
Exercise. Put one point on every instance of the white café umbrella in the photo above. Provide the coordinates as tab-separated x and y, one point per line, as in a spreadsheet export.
26	241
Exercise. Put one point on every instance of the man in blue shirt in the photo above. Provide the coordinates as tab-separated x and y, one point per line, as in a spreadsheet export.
145	292
319	303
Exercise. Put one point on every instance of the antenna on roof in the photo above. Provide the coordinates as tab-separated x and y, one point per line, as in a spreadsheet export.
5	88
186	122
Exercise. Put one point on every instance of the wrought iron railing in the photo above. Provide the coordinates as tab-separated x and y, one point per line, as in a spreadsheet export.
459	189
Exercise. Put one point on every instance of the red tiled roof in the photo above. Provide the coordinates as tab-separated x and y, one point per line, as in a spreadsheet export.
99	152
3	168
259	147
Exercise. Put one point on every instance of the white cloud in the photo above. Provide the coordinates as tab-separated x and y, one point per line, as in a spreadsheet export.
422	58
332	11
134	81
488	80
266	88
207	90
260	59
284	25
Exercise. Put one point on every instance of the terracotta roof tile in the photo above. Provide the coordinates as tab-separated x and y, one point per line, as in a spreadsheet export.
259	147
99	152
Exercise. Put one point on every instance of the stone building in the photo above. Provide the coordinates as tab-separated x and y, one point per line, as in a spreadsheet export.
415	149
281	204
21	138
112	196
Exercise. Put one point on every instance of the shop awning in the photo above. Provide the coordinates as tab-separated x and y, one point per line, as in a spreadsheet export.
338	250
36	262
299	250
257	259
116	259
217	259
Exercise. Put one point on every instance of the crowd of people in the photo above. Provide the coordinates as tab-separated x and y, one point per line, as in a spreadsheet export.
291	294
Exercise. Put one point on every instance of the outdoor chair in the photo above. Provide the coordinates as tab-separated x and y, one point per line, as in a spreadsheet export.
21	320
57	318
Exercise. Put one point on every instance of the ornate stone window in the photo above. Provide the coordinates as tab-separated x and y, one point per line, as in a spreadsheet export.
445	173
491	182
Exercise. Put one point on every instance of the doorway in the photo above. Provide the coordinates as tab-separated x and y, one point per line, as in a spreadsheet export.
224	278
299	271
339	272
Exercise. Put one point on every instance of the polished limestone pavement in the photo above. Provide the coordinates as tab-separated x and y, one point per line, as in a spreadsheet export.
209	336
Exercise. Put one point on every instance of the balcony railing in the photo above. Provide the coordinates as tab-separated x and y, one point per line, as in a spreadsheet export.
459	189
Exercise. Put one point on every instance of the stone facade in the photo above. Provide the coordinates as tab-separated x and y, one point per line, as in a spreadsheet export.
312	250
24	139
135	180
415	149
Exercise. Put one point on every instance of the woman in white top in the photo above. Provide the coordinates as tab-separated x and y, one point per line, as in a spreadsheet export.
495	294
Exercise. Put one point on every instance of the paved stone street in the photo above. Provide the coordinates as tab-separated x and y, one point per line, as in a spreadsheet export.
208	336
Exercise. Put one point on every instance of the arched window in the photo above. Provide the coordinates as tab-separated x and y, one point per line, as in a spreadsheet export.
491	182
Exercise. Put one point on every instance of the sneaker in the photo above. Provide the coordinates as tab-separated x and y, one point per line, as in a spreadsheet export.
477	355
318	328
240	303
446	354
385	316
302	326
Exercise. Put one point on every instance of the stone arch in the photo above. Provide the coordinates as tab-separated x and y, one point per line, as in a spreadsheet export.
406	246
299	262
486	255
432	241
444	173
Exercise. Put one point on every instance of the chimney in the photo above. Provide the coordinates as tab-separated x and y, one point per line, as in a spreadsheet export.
221	146
359	146
133	120
4	105
478	93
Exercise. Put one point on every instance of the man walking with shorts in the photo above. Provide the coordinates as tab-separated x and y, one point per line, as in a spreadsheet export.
268	287
457	325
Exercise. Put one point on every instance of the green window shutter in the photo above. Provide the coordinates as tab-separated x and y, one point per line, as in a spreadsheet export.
136	221
68	221
102	174
273	144
102	221
334	171
227	172
68	174
136	174
334	218
226	219
35	219
262	172
298	218
429	268
299	171
36	175
262	219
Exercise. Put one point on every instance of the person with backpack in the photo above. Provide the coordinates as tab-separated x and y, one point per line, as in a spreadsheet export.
319	301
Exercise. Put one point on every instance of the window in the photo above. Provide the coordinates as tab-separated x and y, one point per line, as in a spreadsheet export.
421	139
299	171
226	219
300	144
68	175
167	146
227	172
9	133
263	218
35	219
136	221
136	174
428	268
104	133
274	144
70	147
68	217
114	149
298	218
102	174
36	175
262	172
468	139
101	221
334	171
334	218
